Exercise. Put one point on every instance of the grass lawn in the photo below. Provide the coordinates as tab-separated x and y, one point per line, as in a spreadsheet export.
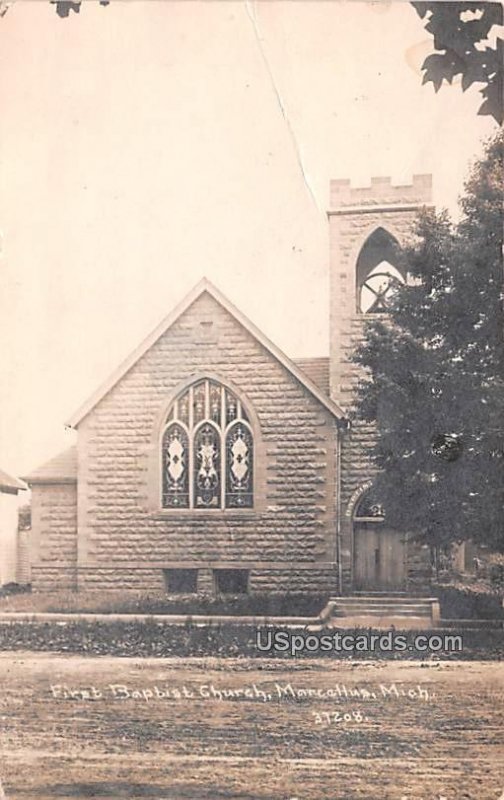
131	602
442	738
457	602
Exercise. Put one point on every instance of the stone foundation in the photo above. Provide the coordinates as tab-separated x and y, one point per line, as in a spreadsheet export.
261	581
53	579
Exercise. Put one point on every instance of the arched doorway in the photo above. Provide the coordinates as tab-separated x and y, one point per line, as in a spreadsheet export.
379	551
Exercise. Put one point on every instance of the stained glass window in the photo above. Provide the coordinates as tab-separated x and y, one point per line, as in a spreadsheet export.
175	467
239	466
215	399
207	450
199	402
183	408
231	407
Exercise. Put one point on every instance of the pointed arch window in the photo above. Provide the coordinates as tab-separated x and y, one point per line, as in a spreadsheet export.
379	272
175	447
239	465
207	450
207	466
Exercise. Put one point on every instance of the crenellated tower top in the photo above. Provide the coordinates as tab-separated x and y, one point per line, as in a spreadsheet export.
367	228
381	192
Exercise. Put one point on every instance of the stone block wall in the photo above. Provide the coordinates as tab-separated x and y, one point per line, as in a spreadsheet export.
126	539
54	537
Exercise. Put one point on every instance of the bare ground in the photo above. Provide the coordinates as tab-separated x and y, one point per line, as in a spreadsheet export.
392	747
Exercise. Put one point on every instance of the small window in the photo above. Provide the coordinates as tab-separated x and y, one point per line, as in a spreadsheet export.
231	581
181	581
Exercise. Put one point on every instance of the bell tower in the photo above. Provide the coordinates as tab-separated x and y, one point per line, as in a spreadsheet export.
367	227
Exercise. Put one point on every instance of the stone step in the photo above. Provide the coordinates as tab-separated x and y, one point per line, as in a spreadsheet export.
388	603
372	603
399	607
343	611
380	623
379	598
378	601
382	593
383	609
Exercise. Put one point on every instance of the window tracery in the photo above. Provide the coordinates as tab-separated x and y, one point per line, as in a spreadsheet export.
207	450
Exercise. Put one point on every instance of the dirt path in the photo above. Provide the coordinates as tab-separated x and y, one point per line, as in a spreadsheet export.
210	729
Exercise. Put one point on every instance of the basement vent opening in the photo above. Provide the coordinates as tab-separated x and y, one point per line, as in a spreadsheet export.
181	581
231	581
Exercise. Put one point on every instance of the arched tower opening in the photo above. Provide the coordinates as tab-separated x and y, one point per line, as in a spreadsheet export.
378	272
368	227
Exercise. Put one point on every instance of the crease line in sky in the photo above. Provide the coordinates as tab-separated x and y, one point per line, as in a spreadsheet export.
251	13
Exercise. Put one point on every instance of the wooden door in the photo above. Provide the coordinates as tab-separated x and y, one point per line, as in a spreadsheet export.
379	557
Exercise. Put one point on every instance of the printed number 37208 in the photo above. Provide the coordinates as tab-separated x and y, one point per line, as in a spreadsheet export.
335	717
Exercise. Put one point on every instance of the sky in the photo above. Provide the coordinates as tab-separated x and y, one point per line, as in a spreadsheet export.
145	145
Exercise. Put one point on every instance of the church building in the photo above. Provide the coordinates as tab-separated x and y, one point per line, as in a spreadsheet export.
212	462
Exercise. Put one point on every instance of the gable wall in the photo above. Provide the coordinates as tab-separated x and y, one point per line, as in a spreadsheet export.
124	541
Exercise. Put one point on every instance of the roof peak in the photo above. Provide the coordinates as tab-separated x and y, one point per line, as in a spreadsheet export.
60	468
203	285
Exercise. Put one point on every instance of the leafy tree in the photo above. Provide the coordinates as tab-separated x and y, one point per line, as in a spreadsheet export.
63	7
460	32
433	383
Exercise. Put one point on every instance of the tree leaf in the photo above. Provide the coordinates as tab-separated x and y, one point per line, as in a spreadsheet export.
460	46
63	7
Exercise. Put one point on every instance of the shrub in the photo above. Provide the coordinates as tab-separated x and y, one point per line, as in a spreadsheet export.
157	639
496	570
468	602
14	588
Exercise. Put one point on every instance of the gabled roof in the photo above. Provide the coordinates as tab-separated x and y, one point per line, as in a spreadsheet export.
59	469
317	370
205	286
10	485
